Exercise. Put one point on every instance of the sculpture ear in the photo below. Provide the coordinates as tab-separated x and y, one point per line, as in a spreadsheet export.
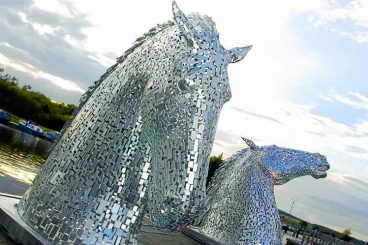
237	54
250	143
185	26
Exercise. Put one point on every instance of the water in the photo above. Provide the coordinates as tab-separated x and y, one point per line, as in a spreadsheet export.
21	155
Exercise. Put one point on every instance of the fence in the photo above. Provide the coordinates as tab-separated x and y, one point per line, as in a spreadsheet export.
317	238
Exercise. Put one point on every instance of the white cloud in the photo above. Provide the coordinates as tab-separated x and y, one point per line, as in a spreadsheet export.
363	126
287	124
354	13
361	97
358	36
38	27
262	23
36	73
8	45
356	100
58	7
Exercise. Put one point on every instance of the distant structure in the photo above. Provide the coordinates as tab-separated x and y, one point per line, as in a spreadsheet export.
241	202
150	120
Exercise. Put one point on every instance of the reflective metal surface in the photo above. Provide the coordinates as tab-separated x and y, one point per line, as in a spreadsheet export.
142	134
241	204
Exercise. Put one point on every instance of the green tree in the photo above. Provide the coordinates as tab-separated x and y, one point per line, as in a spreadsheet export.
27	87
303	225
345	235
32	105
215	162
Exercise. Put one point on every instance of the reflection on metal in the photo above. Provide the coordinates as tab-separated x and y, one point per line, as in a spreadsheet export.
241	203
150	122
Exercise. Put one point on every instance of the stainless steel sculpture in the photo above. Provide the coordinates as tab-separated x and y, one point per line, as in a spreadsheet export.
143	133
241	202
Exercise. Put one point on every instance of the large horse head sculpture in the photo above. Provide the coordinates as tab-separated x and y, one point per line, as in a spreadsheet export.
143	132
180	111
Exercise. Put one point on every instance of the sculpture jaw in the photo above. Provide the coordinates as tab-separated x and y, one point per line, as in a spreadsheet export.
321	171
174	204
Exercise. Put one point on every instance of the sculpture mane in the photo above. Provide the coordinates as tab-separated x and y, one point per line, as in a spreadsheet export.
137	43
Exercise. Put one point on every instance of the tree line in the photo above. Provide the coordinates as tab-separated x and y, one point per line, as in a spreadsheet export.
32	105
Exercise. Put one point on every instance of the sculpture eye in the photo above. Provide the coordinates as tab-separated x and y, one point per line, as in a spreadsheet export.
183	86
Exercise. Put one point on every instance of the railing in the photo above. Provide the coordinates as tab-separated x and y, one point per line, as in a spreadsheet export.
317	238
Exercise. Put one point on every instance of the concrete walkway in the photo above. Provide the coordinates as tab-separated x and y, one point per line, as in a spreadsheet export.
149	234
4	239
152	236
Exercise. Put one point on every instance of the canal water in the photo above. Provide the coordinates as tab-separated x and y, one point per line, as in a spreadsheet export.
21	155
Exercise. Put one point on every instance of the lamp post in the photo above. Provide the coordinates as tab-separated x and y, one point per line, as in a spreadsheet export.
292	205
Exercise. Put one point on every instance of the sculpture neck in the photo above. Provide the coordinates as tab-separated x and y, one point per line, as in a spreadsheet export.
242	204
265	220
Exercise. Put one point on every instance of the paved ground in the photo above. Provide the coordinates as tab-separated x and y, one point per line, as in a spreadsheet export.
149	236
152	236
4	239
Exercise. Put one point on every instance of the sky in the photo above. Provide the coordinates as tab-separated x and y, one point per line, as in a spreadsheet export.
304	84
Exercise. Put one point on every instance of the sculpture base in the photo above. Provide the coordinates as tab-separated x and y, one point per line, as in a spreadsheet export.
200	237
13	225
18	230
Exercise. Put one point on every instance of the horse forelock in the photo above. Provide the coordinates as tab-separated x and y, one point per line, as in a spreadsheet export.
205	23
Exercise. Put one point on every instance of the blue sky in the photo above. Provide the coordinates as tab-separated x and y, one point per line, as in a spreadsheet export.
304	84
345	63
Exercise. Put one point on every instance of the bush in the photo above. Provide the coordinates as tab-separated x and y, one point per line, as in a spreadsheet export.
215	162
345	235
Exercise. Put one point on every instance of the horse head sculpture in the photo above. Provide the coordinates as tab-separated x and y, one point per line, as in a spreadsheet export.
284	164
180	113
241	203
142	134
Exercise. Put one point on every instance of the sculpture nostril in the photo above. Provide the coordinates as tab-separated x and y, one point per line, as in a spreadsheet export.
324	167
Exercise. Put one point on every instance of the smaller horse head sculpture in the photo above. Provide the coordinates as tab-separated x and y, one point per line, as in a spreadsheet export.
284	164
241	202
